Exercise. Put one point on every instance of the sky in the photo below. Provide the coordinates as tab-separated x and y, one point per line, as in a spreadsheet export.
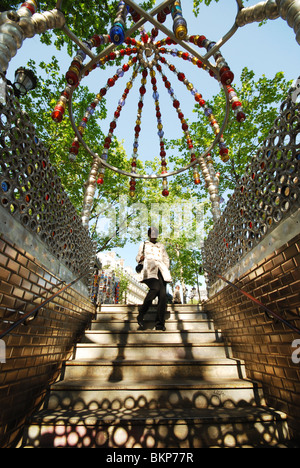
266	50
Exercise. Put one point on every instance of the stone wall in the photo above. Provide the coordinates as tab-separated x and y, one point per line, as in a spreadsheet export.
264	344
43	246
34	353
256	245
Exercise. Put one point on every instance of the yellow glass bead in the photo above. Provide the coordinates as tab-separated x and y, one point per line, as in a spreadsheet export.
144	81
132	193
181	32
75	70
61	103
190	86
129	85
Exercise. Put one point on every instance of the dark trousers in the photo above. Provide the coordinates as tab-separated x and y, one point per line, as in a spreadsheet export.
158	288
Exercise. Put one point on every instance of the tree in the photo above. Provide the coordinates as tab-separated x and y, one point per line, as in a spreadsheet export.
58	139
197	4
261	99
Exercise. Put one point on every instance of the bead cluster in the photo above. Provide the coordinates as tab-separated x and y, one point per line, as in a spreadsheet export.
145	55
117	32
179	23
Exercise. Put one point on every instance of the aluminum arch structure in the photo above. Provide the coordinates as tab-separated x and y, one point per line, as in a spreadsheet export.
16	26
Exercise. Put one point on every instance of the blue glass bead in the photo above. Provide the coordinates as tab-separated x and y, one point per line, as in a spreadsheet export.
211	45
4	186
117	34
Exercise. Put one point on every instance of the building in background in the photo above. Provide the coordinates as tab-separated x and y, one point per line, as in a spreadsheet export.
111	270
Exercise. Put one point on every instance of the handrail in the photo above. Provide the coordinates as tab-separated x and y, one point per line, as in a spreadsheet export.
274	314
36	309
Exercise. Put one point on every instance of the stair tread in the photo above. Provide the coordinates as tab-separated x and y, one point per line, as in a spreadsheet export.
154	384
149	344
152	362
88	416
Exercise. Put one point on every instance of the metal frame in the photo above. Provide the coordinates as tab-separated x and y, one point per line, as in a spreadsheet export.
94	59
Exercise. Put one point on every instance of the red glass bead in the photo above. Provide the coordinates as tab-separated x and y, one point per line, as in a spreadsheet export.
161	17
100	181
200	41
72	77
74	150
165	193
241	117
29	7
236	104
57	116
176	104
97	40
227	77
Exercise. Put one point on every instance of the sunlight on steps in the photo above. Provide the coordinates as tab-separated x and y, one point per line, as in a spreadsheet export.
126	388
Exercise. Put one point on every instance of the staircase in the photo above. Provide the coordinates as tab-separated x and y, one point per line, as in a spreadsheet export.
126	388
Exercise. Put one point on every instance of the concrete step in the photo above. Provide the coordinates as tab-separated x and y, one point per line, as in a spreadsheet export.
139	371
94	351
178	308
104	323
152	394
130	312
158	428
123	315
102	337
